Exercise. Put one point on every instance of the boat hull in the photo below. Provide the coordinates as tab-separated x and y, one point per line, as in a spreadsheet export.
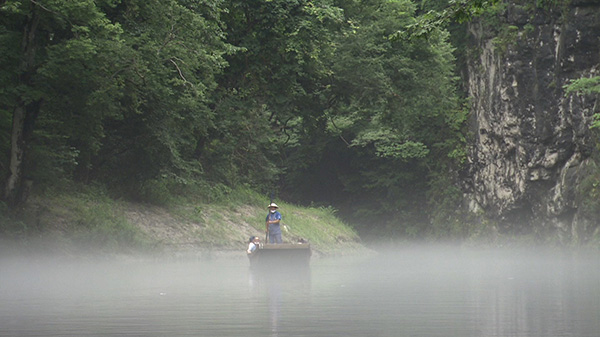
279	255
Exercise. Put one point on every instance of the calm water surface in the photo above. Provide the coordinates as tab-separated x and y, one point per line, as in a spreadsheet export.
416	292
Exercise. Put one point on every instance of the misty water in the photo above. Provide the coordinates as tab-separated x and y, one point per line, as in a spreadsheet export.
411	292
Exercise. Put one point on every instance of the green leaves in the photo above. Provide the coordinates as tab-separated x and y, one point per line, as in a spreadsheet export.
430	22
381	116
316	98
388	144
586	86
123	84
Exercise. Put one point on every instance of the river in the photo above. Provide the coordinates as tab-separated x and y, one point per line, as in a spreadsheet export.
410	292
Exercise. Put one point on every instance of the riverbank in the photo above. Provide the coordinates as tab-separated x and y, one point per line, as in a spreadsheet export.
79	223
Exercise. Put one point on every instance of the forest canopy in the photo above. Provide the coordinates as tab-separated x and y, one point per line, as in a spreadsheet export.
317	102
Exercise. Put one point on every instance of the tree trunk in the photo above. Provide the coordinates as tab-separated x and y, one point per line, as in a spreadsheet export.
24	115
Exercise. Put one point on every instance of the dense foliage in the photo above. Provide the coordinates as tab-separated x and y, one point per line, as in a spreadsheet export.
318	101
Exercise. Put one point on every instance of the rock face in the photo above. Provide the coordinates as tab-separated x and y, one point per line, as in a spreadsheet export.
533	147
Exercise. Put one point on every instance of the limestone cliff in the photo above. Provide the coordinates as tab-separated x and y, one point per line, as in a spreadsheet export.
532	145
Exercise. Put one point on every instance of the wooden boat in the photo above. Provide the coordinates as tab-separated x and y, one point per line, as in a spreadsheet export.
286	254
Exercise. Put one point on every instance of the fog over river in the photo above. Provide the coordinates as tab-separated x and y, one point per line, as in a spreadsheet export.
426	291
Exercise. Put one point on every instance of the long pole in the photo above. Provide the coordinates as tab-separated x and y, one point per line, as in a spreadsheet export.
267	234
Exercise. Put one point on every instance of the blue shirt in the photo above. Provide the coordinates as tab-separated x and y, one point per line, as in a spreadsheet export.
274	228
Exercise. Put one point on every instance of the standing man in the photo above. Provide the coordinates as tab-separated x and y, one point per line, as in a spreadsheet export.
273	221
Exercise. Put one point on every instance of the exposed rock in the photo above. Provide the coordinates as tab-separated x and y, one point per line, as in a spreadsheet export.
532	143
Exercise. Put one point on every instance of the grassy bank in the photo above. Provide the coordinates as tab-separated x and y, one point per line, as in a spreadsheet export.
89	221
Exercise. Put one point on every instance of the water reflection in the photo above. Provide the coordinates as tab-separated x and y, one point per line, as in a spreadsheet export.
419	292
539	295
463	293
280	284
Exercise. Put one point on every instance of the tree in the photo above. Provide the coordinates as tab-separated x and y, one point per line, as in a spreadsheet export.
172	51
113	91
273	86
438	14
387	128
37	36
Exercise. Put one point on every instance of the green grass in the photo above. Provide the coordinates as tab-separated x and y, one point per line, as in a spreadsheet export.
77	221
222	220
86	219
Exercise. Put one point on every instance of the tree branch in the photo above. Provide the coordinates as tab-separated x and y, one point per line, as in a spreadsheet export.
46	8
180	72
341	136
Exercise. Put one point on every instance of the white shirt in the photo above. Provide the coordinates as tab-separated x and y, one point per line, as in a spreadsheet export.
252	247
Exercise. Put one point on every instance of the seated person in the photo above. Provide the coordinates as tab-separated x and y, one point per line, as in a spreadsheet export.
253	244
